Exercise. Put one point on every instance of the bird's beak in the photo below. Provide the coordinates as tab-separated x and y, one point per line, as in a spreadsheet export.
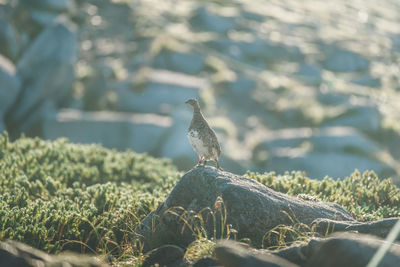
187	102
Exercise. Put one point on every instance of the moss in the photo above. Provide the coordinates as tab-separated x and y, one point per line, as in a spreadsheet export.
365	196
57	196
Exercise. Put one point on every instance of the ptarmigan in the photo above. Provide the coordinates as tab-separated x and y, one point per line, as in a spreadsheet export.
202	138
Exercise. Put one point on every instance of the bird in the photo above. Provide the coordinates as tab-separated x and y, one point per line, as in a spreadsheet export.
202	138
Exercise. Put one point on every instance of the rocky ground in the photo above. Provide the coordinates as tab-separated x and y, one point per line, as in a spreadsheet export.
287	85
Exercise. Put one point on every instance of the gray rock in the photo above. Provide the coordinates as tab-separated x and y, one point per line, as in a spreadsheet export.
336	138
348	249
309	74
44	17
17	254
8	39
379	228
52	5
298	253
367	80
167	255
332	98
241	88
161	93
9	85
206	262
351	250
329	146
340	60
190	63
343	139
205	20
361	117
332	164
231	254
96	84
264	49
140	132
2	126
47	72
176	145
251	208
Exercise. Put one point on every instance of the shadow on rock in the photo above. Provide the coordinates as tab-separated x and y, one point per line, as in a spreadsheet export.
210	202
17	254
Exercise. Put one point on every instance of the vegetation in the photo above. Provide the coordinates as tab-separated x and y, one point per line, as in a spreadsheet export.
59	196
365	196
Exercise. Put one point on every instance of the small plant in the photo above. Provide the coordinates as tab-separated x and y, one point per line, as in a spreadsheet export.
207	223
282	236
365	196
58	196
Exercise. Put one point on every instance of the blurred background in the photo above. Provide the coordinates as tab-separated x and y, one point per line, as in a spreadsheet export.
287	85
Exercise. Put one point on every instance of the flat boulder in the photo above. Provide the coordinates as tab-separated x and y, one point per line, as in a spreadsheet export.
339	249
234	202
13	253
231	254
351	250
46	70
379	228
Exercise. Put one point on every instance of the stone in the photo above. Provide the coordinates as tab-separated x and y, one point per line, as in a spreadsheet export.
140	132
9	85
367	80
16	254
8	39
343	139
2	126
161	93
309	74
167	255
189	63
176	145
47	73
241	88
231	254
351	250
340	60
43	17
332	98
206	262
251	208
269	51
379	228
339	249
96	84
51	5
362	117
334	146
205	20
298	253
328	163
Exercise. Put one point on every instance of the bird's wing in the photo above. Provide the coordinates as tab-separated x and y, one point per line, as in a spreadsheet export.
214	140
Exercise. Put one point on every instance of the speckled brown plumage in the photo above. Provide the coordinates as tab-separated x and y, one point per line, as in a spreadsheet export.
202	138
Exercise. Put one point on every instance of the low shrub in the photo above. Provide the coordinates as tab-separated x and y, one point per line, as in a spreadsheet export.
61	196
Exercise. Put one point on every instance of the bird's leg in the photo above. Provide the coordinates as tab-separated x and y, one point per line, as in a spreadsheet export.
217	164
200	161
204	161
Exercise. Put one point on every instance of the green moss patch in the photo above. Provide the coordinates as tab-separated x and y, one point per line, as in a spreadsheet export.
55	196
61	196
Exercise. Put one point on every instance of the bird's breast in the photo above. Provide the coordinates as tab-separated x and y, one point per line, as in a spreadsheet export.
197	144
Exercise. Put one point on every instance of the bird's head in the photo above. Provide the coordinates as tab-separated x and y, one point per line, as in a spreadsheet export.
193	102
